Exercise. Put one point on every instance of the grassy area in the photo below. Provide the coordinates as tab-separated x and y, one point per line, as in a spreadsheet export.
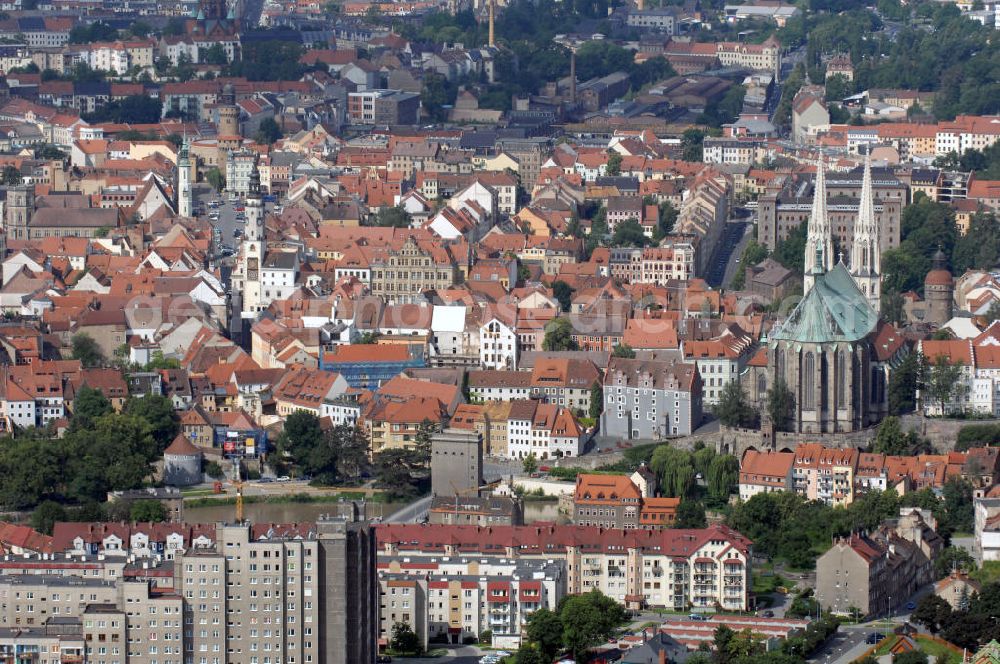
988	573
289	498
766	582
535	498
940	652
191	493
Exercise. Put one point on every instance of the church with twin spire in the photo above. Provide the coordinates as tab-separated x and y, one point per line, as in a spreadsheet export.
825	351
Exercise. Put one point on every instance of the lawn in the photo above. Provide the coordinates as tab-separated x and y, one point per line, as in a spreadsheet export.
942	654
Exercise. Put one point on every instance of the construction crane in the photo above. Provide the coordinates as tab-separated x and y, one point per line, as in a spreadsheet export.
238	483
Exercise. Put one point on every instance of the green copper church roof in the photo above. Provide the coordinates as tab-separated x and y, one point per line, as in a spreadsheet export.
834	309
989	653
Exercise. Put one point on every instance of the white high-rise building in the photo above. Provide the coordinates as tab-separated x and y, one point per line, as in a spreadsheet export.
184	180
252	250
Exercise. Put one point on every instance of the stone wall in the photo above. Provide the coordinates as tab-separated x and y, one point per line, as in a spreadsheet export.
942	432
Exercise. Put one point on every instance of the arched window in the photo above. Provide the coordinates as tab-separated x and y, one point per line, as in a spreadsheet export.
761	387
809	382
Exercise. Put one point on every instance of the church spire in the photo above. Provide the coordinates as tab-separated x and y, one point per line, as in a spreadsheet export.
819	242
866	261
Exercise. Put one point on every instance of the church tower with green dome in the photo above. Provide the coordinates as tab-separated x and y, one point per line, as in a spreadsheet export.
824	351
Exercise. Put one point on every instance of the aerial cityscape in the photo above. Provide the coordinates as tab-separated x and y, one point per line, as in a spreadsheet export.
499	332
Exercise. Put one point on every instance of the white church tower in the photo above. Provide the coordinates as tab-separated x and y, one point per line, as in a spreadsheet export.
819	239
253	247
866	257
184	180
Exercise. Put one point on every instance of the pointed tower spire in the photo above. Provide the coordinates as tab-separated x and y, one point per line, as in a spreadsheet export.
866	260
819	242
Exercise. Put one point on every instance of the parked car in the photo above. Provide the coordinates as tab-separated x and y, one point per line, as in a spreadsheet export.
383	659
874	637
769	614
284	478
696	616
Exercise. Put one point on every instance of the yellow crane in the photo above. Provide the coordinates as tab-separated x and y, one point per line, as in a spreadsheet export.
238	483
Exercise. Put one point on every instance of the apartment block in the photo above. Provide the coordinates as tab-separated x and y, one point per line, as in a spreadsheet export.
838	476
879	571
232	593
672	568
463	597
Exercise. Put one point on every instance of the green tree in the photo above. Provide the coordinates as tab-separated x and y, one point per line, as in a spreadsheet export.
596	400
675	469
614	165
422	440
46	515
564	293
86	350
944	382
398	473
957	495
931	612
436	95
733	409
404	640
559	335
780	404
588	620
530	464
623	350
134	109
268	60
838	87
49	152
545	631
599	58
395	217
151	511
791	251
889	438
629	233
215	178
691	145
691	514
11	176
268	132
666	221
300	438
158	412
903	383
528	654
215	55
953	559
89	405
910	657
214	470
723	477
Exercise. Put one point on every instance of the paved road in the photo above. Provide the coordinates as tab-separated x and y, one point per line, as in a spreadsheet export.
843	647
736	255
415	512
456	655
731	236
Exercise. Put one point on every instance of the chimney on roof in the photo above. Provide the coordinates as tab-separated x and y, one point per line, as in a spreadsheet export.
663	655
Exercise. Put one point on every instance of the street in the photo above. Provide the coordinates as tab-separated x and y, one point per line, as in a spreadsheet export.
733	235
415	512
456	655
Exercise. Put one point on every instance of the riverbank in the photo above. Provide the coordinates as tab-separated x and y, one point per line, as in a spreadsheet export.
285	499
